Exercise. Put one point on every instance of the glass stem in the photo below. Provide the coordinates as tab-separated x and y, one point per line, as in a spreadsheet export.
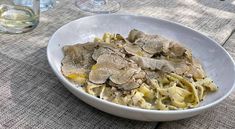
36	7
99	2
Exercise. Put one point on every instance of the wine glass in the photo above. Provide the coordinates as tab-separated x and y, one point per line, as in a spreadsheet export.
98	6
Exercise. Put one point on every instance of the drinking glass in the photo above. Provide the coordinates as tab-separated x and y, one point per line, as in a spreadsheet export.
18	18
98	6
44	4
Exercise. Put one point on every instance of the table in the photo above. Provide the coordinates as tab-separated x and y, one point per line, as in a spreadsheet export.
32	97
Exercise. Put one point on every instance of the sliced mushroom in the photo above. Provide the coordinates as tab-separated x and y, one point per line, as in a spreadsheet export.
150	43
126	86
107	65
152	47
196	70
100	51
155	44
123	76
177	49
114	60
136	50
188	55
129	86
100	75
77	59
80	54
153	64
140	75
135	34
68	67
181	68
150	74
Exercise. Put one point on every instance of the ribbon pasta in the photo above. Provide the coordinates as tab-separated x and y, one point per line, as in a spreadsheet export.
142	71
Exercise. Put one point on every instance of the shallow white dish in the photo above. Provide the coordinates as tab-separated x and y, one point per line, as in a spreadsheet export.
216	61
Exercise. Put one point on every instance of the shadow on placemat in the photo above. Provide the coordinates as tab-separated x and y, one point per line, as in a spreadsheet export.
32	98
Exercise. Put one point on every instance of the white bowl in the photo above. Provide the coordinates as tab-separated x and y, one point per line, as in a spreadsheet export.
216	61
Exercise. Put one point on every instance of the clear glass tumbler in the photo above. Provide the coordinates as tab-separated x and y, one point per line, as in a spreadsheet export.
18	18
44	4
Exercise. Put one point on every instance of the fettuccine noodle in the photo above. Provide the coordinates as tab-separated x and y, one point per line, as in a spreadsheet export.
143	71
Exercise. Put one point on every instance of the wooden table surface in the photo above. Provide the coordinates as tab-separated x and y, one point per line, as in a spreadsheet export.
32	97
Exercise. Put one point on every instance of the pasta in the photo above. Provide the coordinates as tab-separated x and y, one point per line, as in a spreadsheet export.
142	71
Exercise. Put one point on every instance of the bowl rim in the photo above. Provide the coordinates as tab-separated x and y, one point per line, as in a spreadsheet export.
123	107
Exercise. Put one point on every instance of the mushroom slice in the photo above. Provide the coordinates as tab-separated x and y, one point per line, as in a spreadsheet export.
140	75
79	55
135	34
177	49
68	67
107	65
153	64
101	51
100	75
77	61
114	60
106	49
181	68
123	76
136	50
196	70
129	86
150	74
155	44
149	43
152	47
126	86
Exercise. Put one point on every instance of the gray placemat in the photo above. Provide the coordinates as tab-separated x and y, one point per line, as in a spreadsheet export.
214	18
32	97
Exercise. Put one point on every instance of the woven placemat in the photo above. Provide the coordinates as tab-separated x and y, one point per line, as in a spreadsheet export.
32	97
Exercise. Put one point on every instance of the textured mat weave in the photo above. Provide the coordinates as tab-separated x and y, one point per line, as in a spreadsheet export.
32	97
